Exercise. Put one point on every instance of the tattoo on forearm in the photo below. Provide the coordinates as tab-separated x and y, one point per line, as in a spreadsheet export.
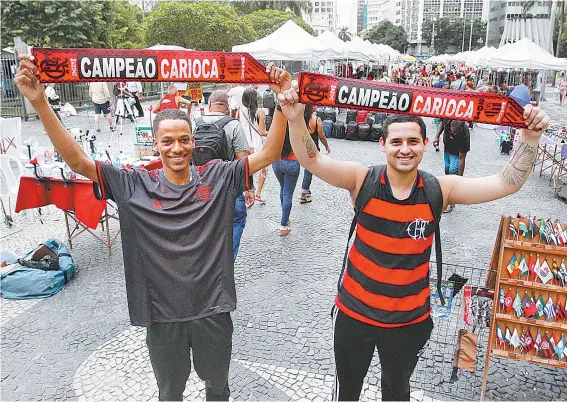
518	168
309	145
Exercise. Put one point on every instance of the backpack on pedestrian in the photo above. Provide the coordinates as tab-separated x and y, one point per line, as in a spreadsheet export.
210	141
268	100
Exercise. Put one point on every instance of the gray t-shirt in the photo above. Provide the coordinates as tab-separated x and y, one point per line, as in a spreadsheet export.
235	136
176	240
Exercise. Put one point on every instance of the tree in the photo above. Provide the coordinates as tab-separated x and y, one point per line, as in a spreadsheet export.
388	34
246	7
125	25
449	32
53	23
264	22
344	34
199	25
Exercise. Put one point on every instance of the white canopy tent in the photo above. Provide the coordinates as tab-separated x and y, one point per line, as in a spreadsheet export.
395	56
348	52
374	54
525	54
289	42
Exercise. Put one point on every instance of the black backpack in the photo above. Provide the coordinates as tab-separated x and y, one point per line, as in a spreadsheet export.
364	132
505	147
268	99
434	197
376	132
338	130
210	141
268	122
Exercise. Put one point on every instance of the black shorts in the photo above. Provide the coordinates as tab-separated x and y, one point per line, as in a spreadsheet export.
104	108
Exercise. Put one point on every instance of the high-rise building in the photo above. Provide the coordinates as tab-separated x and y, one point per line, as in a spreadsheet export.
412	14
377	11
324	16
361	16
507	23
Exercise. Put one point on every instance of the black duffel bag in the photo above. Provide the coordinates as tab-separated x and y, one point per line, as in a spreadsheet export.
363	132
352	131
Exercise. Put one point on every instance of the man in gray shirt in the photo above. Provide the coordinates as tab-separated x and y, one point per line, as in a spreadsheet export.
237	147
176	243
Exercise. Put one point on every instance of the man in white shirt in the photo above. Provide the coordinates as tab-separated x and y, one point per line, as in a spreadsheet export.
136	89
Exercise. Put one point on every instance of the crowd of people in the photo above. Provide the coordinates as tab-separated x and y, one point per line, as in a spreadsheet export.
177	222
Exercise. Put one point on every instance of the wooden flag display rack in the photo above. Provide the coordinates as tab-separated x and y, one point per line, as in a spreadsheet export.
509	243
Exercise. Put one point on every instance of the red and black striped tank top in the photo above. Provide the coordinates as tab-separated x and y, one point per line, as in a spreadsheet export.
386	281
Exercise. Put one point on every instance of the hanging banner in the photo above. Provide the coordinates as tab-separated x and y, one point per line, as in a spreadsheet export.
478	107
85	65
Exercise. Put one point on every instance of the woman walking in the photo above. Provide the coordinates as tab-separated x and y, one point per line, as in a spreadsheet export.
315	127
253	120
562	88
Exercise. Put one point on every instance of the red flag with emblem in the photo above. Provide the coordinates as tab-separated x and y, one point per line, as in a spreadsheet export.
508	301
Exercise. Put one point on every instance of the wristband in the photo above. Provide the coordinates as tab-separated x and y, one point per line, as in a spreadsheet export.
278	107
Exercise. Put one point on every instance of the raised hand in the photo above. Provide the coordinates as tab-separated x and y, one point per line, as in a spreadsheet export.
288	100
27	81
537	122
281	79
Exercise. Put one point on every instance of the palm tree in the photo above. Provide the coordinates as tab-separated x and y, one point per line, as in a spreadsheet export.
344	34
527	6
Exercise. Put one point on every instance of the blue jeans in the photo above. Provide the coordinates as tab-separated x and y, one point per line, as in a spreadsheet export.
238	223
287	173
451	163
307	177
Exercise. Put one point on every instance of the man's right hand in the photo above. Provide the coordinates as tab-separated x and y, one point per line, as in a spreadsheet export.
27	80
288	100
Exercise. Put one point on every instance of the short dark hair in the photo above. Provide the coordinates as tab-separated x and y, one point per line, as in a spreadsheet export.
458	75
169	114
404	118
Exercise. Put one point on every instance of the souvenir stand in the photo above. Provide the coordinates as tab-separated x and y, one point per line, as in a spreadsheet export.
529	321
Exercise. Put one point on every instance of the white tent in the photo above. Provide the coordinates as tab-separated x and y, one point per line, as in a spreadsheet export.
348	52
395	56
366	47
289	42
525	54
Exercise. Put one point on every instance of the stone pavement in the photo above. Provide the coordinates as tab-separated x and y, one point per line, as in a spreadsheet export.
79	345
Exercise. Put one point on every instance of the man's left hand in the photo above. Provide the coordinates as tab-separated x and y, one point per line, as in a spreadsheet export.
537	122
281	79
249	198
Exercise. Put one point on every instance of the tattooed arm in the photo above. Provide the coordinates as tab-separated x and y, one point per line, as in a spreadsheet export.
461	190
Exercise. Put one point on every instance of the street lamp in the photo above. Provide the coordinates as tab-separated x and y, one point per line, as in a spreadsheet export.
432	46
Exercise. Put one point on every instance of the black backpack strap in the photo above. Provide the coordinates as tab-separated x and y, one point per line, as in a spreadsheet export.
223	122
435	199
365	193
198	121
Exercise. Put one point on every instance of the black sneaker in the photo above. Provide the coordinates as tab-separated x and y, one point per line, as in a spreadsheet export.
98	130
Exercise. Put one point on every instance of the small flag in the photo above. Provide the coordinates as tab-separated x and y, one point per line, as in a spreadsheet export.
560	234
513	264
542	230
549	309
545	272
523	266
532	227
528	306
527	341
546	346
562	273
559	310
531	263
502	297
537	267
523	229
550	232
515	340
538	341
508	299
540	304
500	336
560	348
508	335
512	228
517	305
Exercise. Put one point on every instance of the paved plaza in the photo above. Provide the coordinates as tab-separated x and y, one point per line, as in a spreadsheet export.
79	345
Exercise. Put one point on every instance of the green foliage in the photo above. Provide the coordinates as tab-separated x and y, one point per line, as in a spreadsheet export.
264	22
53	23
246	7
344	34
389	34
449	32
200	26
125	25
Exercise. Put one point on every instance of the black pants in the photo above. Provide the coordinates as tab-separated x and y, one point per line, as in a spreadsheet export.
399	350
170	346
138	106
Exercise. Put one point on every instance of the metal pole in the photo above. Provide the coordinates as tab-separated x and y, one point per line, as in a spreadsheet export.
464	29
470	37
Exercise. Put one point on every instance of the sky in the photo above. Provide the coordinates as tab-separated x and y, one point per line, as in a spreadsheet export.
347	10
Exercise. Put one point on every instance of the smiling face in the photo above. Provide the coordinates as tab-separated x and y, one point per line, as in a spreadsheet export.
175	145
404	146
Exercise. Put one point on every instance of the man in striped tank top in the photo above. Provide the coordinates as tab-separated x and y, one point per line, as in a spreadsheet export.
383	297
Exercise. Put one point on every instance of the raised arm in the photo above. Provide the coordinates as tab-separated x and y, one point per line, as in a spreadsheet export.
463	190
347	175
28	83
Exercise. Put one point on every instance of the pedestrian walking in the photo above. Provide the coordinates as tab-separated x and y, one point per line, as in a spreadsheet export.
100	95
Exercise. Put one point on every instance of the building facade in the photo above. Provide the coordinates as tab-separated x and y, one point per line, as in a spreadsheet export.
507	23
324	16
